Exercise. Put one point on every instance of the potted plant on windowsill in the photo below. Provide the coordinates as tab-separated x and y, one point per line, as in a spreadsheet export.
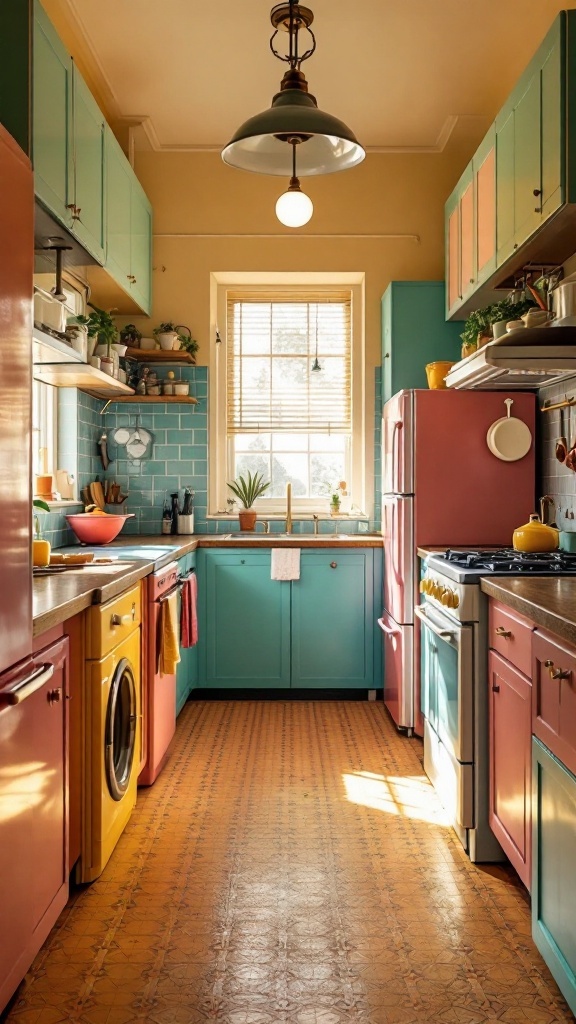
247	490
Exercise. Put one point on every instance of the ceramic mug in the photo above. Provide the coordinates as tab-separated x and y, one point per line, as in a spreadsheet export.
514	325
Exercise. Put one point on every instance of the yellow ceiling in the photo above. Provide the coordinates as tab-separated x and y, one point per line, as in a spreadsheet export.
401	73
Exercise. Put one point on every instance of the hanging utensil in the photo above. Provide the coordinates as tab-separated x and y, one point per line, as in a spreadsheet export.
509	438
561	450
103	450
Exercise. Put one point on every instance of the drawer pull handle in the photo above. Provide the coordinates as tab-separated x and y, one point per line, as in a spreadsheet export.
121	620
559	673
495	689
500	631
333	565
54	695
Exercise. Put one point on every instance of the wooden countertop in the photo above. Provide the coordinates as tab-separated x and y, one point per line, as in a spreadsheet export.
59	597
549	601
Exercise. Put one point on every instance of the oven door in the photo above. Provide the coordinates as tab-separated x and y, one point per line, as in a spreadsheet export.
447	680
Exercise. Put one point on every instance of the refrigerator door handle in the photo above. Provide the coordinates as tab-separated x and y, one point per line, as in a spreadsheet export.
396	474
24	688
386	629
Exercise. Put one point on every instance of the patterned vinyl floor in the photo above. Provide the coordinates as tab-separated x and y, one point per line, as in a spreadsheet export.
291	866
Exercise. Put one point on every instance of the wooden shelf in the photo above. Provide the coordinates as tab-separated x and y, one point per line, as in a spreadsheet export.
47	349
144	399
83	376
154	355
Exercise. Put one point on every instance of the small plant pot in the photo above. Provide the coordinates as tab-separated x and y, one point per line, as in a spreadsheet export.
247	519
167	340
182	388
334	510
107	365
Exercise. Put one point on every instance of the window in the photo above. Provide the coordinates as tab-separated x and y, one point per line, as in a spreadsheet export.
44	428
286	368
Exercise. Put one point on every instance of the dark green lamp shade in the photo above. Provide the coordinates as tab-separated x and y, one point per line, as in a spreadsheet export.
331	145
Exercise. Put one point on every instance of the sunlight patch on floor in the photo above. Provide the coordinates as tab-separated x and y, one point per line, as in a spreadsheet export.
411	796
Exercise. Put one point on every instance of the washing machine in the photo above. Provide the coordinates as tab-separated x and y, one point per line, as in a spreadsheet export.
112	727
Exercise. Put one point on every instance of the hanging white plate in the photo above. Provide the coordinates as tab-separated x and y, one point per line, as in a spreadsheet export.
509	438
120	435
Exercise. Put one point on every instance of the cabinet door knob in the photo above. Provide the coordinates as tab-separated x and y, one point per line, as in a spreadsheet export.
54	696
548	663
500	631
471	280
560	673
333	565
242	561
515	245
537	192
537	209
495	689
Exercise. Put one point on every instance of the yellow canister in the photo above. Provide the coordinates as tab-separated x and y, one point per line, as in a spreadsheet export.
436	372
40	552
535	536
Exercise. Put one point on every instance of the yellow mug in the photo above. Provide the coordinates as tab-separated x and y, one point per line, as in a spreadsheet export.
436	372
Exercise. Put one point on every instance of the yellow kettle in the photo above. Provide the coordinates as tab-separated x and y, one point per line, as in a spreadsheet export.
535	536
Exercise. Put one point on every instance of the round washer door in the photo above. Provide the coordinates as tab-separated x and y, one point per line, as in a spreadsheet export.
120	734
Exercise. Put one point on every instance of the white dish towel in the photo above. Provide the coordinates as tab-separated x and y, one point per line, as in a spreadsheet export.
285	564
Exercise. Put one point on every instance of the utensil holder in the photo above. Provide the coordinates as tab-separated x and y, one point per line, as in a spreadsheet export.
186	524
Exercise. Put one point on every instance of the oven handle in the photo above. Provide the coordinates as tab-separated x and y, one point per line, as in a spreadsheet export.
445	634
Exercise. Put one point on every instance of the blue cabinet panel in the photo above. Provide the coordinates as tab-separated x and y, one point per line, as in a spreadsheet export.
333	620
246	621
554	857
415	332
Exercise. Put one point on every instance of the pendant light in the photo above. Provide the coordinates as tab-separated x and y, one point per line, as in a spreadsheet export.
294	208
263	143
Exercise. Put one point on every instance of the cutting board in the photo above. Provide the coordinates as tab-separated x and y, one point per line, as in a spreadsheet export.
97	494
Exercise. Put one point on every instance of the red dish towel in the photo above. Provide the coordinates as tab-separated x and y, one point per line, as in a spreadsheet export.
189	614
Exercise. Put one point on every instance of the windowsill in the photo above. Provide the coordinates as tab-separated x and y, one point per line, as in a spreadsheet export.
278	517
56	505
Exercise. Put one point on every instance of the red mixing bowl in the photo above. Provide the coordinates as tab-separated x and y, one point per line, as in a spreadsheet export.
97	529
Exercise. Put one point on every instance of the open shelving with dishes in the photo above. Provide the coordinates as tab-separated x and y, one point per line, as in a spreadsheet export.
82	376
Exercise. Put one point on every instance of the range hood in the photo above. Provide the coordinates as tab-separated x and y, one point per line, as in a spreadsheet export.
523	359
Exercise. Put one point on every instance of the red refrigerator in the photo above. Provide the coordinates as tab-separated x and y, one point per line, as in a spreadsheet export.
442	486
33	878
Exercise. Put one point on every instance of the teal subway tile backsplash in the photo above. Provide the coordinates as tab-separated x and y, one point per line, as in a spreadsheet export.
179	459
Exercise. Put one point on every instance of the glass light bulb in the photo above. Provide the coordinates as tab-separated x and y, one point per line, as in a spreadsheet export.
294	208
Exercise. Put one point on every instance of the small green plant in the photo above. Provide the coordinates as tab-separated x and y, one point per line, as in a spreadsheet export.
480	320
130	335
165	328
248	489
38	503
100	324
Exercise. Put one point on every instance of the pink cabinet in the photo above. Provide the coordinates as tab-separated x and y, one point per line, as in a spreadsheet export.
510	722
34	805
554	696
510	713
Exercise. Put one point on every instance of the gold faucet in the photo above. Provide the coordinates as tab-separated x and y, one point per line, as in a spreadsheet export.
288	508
265	525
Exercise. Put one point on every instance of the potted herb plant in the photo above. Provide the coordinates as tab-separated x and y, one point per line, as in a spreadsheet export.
186	341
130	336
478	326
166	334
101	326
247	490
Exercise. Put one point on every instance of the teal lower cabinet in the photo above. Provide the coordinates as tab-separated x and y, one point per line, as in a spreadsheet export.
245	621
187	669
333	621
316	632
554	857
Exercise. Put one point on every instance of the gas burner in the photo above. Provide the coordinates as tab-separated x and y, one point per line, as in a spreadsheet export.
460	564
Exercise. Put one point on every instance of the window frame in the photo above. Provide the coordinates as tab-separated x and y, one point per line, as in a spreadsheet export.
45	396
273	286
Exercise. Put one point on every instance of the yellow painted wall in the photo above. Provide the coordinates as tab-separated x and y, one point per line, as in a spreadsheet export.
195	194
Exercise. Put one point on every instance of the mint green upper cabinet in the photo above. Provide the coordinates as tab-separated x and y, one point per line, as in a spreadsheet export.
553	181
119	177
414	332
87	169
52	118
333	621
504	186
128	228
141	237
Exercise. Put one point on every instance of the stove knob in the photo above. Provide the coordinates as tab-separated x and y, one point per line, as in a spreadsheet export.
455	600
445	597
423	586
436	588
427	585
